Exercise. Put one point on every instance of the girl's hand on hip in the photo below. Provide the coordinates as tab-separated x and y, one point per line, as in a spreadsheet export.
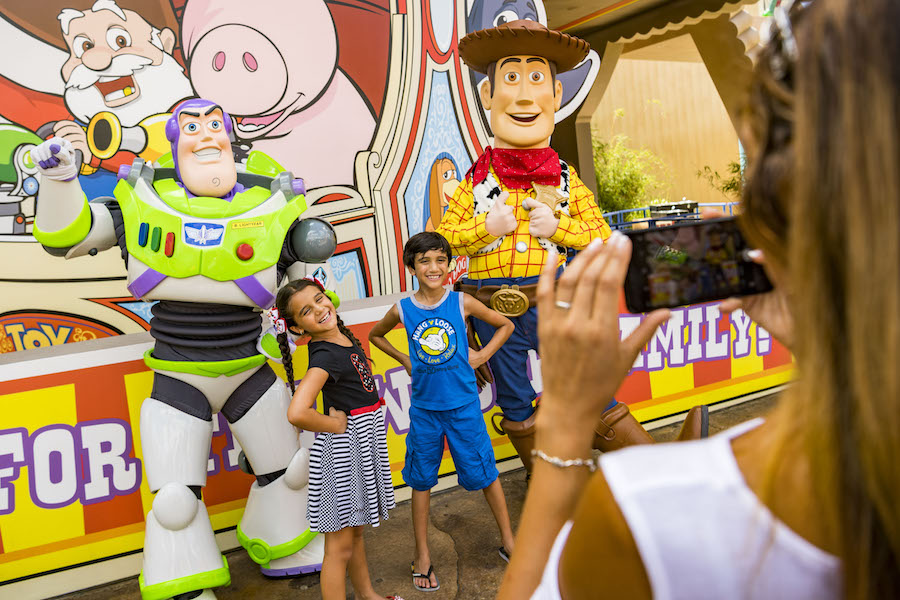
583	358
340	418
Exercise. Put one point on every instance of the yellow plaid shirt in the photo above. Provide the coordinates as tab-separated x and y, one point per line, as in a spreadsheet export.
467	234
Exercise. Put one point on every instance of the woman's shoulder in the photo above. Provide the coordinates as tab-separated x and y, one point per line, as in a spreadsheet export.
598	517
627	476
638	469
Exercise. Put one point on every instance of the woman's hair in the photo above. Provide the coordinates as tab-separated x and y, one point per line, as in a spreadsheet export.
282	303
824	202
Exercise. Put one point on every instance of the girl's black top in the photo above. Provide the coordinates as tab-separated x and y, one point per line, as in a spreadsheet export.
350	382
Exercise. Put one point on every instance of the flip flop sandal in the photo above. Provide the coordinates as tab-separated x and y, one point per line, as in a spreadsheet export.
427	576
393	598
504	553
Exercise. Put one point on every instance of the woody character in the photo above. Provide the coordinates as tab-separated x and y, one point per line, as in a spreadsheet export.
517	201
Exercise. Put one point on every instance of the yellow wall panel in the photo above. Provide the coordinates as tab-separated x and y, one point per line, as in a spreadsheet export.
30	525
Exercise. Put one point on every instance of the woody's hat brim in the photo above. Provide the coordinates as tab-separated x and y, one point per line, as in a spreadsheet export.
516	38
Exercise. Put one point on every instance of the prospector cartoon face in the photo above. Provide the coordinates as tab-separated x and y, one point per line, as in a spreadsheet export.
120	63
525	97
203	151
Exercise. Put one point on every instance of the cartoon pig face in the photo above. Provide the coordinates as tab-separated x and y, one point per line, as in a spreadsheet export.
262	64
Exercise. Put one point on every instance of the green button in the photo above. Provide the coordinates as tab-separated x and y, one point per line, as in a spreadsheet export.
155	239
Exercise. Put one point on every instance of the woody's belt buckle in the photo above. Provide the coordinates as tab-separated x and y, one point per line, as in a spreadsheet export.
509	301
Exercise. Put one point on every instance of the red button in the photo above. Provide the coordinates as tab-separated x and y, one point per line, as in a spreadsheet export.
170	243
245	252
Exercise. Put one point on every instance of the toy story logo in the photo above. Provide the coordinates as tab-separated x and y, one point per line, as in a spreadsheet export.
27	330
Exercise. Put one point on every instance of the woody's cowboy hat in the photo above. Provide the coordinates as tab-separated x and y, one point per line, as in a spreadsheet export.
523	37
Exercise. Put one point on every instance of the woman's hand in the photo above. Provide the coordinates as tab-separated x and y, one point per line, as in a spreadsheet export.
769	310
583	358
340	418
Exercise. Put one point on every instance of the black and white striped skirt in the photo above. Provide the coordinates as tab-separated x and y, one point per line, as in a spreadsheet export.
350	476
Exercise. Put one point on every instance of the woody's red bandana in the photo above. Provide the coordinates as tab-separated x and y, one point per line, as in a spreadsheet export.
517	168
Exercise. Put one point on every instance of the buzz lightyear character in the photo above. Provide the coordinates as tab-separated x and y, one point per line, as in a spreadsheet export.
211	244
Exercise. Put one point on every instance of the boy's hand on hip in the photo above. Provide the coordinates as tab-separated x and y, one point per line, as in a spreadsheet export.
476	358
340	417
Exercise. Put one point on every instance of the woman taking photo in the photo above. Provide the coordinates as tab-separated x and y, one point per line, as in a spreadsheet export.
807	503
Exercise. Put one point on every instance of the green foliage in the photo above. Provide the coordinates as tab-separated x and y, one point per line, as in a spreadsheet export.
628	178
730	184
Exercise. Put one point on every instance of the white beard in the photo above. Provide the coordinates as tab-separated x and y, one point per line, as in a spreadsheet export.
160	87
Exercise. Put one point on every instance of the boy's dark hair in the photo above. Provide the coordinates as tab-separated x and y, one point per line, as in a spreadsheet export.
422	243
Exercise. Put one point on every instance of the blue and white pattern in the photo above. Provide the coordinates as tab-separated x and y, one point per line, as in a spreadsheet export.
349	283
441	135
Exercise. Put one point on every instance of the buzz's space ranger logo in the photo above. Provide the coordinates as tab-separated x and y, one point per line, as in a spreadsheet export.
434	341
203	234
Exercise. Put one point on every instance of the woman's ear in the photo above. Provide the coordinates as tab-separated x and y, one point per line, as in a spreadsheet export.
295	330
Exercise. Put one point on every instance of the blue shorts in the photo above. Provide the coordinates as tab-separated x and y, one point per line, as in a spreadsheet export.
467	436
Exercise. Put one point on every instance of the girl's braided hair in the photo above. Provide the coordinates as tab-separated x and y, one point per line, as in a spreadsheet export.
282	302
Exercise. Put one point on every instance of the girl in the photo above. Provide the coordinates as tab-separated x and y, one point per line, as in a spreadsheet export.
349	474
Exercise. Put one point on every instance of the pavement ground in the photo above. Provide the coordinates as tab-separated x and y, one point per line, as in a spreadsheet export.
463	539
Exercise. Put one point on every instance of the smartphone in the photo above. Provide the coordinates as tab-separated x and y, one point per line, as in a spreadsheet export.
689	263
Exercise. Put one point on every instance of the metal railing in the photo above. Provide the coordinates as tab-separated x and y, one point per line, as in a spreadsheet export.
663	214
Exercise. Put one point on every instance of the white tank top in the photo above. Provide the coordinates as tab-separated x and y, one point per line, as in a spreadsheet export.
701	532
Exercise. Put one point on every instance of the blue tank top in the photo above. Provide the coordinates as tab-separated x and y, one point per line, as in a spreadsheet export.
439	352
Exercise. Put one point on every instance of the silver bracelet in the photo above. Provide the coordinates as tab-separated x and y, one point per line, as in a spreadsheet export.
592	464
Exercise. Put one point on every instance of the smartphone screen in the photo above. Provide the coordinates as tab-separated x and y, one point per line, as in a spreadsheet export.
688	263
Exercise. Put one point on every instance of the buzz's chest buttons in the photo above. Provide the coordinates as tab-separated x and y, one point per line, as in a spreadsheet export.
244	252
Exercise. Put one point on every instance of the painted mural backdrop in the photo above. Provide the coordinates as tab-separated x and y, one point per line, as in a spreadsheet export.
364	99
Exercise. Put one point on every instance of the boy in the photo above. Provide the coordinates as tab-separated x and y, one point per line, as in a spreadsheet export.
444	393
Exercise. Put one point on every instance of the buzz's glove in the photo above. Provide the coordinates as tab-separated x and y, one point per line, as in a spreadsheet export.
55	159
267	344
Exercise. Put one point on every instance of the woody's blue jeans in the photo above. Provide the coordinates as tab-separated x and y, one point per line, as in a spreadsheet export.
515	394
